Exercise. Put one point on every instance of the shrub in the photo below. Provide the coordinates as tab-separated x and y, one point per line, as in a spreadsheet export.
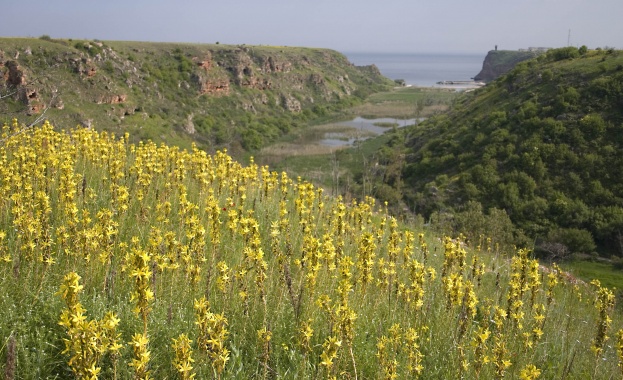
582	50
563	53
547	75
576	239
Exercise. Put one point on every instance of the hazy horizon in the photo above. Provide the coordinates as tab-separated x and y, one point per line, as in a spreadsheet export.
391	26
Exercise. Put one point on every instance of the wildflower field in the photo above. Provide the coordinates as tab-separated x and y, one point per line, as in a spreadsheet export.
122	261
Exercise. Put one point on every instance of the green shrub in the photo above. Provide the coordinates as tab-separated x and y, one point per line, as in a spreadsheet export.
576	239
563	53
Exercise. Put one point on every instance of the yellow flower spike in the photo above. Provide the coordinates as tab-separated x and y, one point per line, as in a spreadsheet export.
329	353
604	302
88	340
264	337
183	357
141	356
529	372
619	349
223	278
212	334
140	272
306	332
500	357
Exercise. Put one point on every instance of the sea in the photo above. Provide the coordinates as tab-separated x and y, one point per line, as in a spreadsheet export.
422	69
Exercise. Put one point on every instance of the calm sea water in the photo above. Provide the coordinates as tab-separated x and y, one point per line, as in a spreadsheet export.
419	69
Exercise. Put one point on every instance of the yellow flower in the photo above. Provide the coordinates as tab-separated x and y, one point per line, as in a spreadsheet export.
529	372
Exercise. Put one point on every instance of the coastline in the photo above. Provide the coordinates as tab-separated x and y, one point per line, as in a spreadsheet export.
424	69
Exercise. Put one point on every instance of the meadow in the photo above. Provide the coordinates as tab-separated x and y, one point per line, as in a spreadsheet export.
406	103
123	260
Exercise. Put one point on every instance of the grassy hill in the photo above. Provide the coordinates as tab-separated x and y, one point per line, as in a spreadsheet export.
123	260
239	97
541	144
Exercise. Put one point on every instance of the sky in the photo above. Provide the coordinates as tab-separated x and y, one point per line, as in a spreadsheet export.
398	26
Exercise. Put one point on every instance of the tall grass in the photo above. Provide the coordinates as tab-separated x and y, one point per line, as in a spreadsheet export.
217	270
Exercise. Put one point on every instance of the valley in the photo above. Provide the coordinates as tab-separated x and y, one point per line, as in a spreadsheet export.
303	153
196	223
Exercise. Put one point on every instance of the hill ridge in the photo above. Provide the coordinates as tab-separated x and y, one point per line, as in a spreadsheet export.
217	95
541	143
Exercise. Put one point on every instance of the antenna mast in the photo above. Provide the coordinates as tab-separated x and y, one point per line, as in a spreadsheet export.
569	38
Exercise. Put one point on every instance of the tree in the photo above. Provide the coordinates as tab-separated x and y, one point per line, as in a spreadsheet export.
608	222
582	50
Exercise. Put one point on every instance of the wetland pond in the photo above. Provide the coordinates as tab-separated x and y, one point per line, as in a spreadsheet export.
346	133
327	138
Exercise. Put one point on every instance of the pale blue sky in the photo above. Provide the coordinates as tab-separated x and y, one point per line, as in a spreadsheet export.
345	25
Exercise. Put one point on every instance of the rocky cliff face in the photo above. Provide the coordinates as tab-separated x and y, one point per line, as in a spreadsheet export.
499	62
221	91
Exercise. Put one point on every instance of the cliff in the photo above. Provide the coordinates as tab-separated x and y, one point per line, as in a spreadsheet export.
240	97
499	62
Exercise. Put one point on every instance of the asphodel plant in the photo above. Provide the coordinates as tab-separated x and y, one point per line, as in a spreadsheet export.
87	340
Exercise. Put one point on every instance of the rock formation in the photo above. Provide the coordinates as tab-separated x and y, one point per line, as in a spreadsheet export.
15	74
290	103
499	62
111	99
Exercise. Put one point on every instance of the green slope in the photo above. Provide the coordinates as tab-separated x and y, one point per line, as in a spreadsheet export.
543	143
239	97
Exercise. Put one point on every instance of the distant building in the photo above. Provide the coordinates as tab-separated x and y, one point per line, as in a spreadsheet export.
536	49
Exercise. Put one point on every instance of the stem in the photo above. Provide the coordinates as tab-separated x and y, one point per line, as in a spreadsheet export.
350	349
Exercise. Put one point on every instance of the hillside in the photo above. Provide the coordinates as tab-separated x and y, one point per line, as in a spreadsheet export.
541	145
137	261
240	97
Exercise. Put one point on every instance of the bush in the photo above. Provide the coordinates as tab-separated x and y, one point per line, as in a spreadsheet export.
563	53
552	250
547	75
582	50
577	240
251	139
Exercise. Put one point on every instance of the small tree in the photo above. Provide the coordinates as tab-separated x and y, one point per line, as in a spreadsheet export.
583	50
553	251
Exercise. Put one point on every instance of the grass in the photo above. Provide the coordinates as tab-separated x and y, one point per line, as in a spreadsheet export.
331	168
406	103
387	125
414	95
587	270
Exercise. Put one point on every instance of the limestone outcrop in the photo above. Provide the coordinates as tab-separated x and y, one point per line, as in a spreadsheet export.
133	86
499	62
14	75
